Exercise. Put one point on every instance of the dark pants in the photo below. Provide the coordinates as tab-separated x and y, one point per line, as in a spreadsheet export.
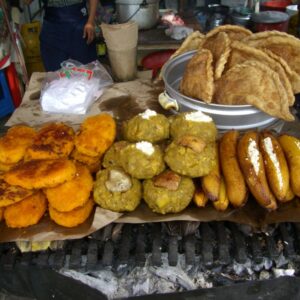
61	38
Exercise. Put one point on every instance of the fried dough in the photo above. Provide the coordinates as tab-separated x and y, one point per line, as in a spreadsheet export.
234	32
198	77
275	165
292	75
241	52
14	144
54	140
73	193
38	174
280	43
11	194
6	167
252	166
27	212
219	46
96	135
83	158
112	156
1	213
73	217
256	84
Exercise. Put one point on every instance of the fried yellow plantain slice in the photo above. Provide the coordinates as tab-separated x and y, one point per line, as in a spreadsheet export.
38	174
234	180
252	165
222	202
200	198
291	148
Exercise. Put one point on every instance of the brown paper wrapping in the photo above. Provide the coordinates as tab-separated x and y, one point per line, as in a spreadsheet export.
123	101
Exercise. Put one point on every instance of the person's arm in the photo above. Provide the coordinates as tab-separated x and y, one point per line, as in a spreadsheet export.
89	27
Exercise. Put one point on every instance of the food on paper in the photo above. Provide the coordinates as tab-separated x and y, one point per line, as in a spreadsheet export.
200	198
117	191
275	165
74	217
198	77
252	165
222	202
291	148
14	144
219	46
73	193
142	160
241	52
26	212
193	123
147	126
54	140
211	182
254	83
37	174
186	161
96	135
112	156
11	194
164	199
234	32
233	178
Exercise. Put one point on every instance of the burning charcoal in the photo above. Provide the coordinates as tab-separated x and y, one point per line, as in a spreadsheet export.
263	275
282	272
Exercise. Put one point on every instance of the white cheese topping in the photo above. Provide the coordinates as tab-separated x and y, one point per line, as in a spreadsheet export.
298	144
145	147
270	150
147	114
198	116
254	155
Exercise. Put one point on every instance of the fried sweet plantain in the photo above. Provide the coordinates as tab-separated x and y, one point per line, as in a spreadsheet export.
26	212
38	174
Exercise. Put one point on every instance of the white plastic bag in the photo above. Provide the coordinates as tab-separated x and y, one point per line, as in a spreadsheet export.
73	88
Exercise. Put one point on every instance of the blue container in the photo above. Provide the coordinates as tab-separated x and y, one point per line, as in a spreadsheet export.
6	103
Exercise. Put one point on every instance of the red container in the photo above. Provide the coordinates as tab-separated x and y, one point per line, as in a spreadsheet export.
270	20
275	5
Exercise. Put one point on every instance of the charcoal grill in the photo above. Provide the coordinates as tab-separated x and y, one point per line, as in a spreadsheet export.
216	248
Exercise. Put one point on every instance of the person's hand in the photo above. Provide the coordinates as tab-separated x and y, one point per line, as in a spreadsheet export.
89	32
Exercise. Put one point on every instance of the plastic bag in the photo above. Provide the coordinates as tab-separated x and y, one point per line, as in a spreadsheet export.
73	88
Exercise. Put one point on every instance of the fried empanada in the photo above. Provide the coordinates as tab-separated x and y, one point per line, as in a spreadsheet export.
234	32
256	84
219	46
241	52
54	140
280	43
198	77
14	144
36	174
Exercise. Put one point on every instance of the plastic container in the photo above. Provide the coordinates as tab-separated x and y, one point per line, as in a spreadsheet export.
270	20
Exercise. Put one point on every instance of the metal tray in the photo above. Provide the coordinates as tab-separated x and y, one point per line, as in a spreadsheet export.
226	117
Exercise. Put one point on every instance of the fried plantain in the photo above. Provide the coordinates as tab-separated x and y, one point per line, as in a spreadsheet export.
223	202
26	212
38	174
73	193
200	198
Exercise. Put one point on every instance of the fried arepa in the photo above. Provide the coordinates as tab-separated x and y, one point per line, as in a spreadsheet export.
73	193
36	174
54	140
11	194
96	135
73	217
27	212
14	144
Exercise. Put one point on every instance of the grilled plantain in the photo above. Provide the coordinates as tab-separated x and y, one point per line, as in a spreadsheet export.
211	182
291	149
252	165
233	177
222	203
200	198
275	165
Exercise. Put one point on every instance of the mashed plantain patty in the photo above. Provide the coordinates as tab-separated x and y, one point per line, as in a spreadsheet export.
193	123
142	160
163	200
148	126
126	195
112	156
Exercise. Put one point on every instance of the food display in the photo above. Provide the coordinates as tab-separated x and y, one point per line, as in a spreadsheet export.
232	66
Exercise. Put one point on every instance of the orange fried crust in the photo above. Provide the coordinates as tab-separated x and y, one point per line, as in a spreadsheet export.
54	140
73	217
37	174
71	194
96	135
83	158
6	167
11	194
14	144
1	213
27	212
